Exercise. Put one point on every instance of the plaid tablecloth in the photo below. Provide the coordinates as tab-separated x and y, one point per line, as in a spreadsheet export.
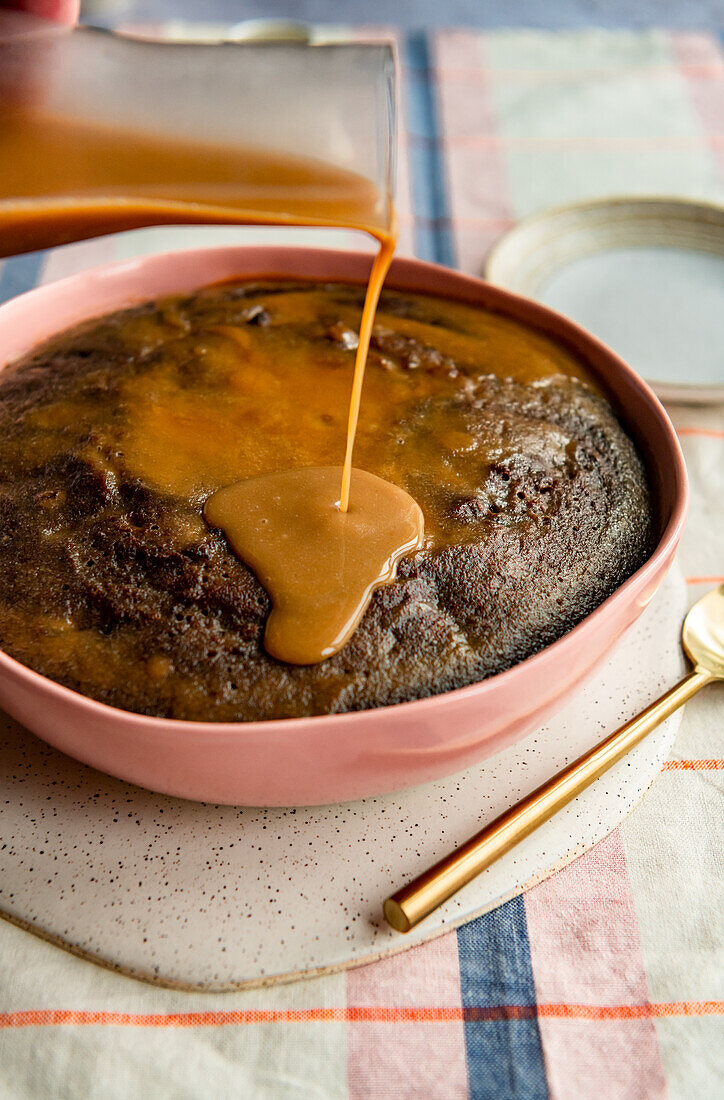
607	980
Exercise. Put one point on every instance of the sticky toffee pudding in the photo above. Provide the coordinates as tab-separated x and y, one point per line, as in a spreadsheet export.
118	440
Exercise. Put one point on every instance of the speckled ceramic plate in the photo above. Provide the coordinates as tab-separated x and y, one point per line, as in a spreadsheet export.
215	897
644	275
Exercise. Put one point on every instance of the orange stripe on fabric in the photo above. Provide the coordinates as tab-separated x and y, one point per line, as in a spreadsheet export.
632	1012
357	1014
705	580
711	433
693	765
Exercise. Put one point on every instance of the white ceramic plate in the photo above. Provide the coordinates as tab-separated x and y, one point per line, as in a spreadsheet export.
215	897
644	275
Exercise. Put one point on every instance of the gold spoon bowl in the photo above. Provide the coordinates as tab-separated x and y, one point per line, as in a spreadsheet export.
703	635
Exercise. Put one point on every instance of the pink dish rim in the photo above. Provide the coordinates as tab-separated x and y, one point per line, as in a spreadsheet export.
521	309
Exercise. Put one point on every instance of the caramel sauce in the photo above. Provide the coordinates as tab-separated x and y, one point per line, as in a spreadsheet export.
217	399
96	180
63	179
281	525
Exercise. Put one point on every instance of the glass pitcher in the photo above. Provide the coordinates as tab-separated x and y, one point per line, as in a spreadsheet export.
101	132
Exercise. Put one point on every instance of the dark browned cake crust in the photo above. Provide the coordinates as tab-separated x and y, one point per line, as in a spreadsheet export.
535	498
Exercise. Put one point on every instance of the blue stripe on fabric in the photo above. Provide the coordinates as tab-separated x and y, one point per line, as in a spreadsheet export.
20	273
433	239
505	1057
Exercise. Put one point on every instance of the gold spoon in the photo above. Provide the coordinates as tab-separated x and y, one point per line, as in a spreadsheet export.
703	640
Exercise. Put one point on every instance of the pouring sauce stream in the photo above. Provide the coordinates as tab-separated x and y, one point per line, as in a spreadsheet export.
318	550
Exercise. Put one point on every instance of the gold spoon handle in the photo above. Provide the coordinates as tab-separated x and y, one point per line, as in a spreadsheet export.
417	900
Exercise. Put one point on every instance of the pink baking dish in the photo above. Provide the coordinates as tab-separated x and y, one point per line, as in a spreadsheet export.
332	758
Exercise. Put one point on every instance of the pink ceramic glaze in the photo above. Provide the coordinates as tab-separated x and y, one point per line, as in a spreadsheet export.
333	758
